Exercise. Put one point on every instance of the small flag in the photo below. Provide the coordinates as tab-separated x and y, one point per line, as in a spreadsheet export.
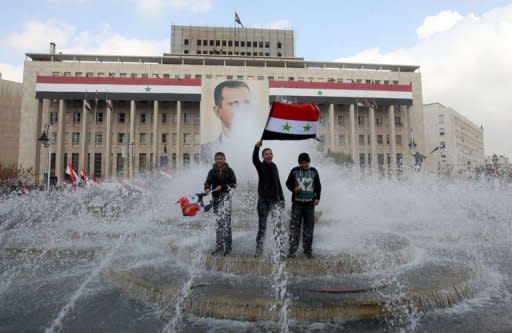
441	146
363	103
109	104
193	204
87	106
84	177
291	122
70	172
237	20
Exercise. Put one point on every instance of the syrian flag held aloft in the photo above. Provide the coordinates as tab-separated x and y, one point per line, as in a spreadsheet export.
291	122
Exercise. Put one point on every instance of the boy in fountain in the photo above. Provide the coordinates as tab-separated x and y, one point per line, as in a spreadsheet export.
270	196
220	181
304	183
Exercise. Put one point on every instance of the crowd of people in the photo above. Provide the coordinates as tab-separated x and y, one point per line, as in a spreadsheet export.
304	183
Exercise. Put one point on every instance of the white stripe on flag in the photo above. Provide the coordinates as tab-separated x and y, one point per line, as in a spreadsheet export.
297	127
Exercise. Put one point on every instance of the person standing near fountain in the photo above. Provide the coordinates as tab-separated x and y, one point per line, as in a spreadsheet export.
304	183
220	181
270	195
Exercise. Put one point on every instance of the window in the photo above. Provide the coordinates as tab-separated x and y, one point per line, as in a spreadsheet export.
185	41
267	45
142	138
119	164
142	162
97	165
387	139
398	139
76	117
74	160
341	140
75	138
242	44
53	118
165	117
378	121
186	159
99	139
187	139
122	118
380	139
361	139
173	138
142	118
164	137
99	117
279	45
441	131
397	121
361	160
120	138
341	120
360	120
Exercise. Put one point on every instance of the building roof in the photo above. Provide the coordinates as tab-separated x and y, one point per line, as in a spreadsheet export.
179	59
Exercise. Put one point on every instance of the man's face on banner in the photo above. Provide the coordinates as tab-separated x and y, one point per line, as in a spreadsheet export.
232	99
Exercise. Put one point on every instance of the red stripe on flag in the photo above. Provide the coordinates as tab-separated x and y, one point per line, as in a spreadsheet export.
117	80
304	112
339	86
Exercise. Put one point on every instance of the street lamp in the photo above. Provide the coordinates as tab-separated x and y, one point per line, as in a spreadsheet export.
45	141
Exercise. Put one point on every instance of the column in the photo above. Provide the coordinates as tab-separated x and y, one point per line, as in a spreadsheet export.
332	133
131	142
353	140
108	143
59	151
392	141
82	161
406	156
155	134
41	104
373	139
179	137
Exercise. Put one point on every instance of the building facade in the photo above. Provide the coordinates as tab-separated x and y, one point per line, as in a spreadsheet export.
248	42
10	105
463	141
371	112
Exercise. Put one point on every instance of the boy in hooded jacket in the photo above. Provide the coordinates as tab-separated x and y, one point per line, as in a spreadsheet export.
220	182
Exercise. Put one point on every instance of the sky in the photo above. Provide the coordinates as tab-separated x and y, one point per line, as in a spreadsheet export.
463	47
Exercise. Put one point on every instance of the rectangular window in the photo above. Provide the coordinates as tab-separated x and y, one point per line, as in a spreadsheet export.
122	118
341	140
164	118
398	139
360	120
164	137
74	161
185	41
75	138
387	139
142	138
341	120
361	160
99	117
142	118
186	159
378	121
173	138
119	164
187	139
120	138
99	139
186	118
361	139
398	121
76	117
53	117
142	162
97	165
380	139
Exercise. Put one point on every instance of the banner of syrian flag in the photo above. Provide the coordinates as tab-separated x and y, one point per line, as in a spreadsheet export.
193	204
291	122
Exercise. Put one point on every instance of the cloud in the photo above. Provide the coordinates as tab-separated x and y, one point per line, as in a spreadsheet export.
443	21
279	24
466	67
11	72
155	7
36	35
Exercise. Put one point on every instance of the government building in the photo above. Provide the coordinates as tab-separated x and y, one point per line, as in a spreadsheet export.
119	115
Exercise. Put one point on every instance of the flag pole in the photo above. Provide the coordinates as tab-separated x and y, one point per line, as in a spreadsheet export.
266	123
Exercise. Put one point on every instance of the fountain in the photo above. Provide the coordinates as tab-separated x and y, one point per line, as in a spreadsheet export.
416	255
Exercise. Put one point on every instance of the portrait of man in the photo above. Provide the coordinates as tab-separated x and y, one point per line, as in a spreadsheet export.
228	96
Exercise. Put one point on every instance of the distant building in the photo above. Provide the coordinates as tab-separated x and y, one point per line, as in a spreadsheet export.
10	106
453	143
249	42
162	106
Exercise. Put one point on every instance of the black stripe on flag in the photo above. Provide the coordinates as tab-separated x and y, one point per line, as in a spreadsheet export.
270	135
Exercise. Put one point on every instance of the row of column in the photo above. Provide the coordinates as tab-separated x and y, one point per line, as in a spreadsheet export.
354	151
58	146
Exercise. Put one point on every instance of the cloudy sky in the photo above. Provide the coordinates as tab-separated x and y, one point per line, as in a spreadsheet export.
464	48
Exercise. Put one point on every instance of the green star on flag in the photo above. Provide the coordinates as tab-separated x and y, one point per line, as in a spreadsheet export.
286	127
319	92
147	89
307	128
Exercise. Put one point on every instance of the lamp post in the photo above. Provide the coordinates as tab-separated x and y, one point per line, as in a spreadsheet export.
45	141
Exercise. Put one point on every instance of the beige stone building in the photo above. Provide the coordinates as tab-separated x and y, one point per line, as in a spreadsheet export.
463	140
10	106
371	112
235	41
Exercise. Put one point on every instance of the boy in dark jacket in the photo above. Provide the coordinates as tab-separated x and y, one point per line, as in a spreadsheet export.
304	183
270	195
220	181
